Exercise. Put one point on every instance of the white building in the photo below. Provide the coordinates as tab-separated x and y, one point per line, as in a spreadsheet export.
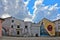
57	27
27	31
16	27
35	30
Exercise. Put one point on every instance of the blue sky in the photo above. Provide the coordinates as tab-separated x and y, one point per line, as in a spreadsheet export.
45	2
30	5
30	10
50	3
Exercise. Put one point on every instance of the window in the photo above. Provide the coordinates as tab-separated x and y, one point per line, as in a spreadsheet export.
12	21
18	26
59	27
17	32
58	22
11	26
25	26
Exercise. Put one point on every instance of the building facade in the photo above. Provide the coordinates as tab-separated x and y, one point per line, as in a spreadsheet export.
12	26
47	28
44	28
27	27
35	30
16	27
57	27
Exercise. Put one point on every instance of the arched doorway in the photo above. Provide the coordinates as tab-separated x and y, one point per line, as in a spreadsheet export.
4	31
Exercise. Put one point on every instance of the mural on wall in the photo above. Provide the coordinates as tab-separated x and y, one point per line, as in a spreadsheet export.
49	26
43	31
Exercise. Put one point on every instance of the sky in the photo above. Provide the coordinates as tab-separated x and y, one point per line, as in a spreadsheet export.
30	10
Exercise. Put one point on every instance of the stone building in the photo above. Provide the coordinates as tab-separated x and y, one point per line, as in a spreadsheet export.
27	28
13	26
16	27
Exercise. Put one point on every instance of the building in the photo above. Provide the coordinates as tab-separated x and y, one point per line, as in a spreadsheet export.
44	28
47	28
27	28
13	26
35	30
16	27
1	20
57	27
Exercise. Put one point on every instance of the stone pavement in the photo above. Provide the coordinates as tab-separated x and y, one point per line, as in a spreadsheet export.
30	38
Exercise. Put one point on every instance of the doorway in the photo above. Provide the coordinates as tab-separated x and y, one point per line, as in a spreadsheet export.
36	35
18	33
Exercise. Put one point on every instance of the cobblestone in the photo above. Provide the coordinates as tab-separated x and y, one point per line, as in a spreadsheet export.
30	38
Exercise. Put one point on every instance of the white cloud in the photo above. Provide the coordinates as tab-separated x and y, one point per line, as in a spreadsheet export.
5	8
1	7
48	13
26	3
37	2
53	7
28	19
5	0
46	7
5	15
57	17
15	8
42	11
18	9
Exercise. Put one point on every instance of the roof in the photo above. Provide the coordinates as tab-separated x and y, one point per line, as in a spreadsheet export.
56	20
7	17
1	19
46	19
27	22
12	17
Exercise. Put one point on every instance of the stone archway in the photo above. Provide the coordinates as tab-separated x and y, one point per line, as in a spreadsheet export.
4	31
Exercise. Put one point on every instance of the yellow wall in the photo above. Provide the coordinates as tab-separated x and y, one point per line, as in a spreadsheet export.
46	23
